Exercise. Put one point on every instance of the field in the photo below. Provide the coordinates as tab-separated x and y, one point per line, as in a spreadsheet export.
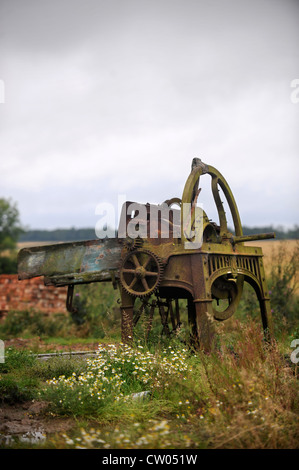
271	248
158	394
268	246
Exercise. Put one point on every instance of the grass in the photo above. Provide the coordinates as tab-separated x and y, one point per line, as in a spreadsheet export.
160	395
244	395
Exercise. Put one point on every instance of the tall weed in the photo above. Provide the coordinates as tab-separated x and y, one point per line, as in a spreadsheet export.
246	398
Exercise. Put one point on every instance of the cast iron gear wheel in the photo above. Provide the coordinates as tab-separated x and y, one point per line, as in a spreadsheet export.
132	243
141	272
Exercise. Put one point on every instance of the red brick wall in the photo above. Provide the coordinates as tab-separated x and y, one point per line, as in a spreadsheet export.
30	294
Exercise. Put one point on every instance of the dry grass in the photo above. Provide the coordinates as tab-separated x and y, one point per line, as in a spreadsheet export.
278	253
271	247
21	245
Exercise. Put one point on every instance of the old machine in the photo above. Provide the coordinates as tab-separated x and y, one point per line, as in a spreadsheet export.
162	255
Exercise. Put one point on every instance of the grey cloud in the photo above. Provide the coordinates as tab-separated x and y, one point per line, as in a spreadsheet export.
109	96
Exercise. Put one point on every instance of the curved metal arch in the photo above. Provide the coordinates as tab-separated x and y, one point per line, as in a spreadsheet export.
183	285
236	272
174	200
264	305
191	189
231	309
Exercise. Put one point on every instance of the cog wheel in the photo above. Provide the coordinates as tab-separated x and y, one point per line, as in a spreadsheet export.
132	243
141	272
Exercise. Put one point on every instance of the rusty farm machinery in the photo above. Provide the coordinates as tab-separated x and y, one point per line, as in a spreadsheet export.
159	260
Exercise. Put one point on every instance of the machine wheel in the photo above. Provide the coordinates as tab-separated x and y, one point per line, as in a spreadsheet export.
141	272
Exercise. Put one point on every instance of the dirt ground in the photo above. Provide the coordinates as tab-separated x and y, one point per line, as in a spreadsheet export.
30	422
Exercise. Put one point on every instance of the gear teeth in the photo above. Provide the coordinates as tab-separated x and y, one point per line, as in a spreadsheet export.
138	242
132	243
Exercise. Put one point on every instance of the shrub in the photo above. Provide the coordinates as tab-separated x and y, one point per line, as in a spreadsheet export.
97	309
16	359
15	391
114	375
30	322
8	265
58	366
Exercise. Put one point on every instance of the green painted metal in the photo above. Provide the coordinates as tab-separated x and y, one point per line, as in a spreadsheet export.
75	262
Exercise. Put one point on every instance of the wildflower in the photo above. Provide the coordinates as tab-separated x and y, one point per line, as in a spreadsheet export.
104	373
69	441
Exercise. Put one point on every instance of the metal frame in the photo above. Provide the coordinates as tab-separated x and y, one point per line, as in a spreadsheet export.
167	268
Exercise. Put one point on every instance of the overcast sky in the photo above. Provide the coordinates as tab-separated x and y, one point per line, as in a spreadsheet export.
115	97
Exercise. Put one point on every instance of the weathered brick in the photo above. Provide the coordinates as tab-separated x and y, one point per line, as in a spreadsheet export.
30	293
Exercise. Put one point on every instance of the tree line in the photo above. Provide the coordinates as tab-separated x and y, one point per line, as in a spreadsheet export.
80	234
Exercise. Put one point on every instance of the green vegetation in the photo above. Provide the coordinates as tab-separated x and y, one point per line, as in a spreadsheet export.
242	396
10	230
81	234
97	317
15	386
280	232
160	394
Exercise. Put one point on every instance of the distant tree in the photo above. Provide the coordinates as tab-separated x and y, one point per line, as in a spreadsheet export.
10	230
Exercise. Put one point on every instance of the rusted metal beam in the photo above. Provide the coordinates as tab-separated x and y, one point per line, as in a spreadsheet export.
67	263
